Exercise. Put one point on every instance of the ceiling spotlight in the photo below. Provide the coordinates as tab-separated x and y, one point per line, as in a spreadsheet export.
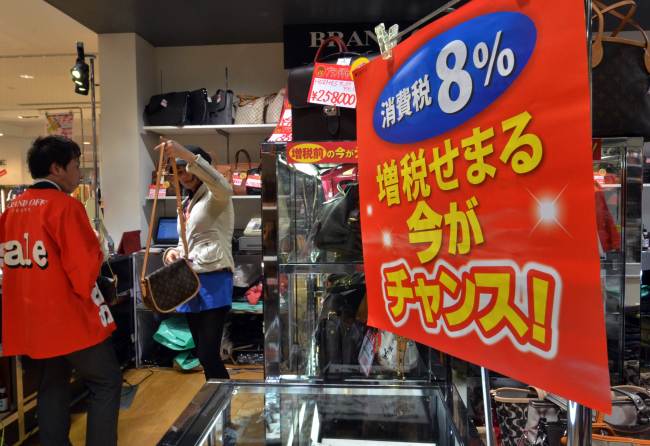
2	134
86	143
80	72
26	76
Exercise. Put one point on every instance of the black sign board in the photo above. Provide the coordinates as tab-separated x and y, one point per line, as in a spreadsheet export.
302	41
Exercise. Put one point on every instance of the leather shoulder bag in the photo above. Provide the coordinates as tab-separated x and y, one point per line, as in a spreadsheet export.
176	283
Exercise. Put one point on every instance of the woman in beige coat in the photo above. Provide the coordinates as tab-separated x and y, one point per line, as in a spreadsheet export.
209	219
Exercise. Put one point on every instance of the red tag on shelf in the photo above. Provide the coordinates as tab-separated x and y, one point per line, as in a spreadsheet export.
162	192
282	132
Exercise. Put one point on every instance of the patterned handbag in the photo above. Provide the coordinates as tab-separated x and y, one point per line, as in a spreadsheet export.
620	77
250	110
512	411
176	283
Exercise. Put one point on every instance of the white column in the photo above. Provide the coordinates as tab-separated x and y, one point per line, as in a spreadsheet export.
127	71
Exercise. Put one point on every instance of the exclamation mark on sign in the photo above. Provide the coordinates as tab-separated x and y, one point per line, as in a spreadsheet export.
540	308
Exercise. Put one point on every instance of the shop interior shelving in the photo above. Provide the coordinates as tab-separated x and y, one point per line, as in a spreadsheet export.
240	129
246	207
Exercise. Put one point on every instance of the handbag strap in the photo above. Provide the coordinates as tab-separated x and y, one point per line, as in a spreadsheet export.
246	154
612	10
179	210
332	39
597	46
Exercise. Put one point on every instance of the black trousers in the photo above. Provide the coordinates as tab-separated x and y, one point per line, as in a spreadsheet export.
98	367
207	329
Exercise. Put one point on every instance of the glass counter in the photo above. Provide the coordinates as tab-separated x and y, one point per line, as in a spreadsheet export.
315	302
262	413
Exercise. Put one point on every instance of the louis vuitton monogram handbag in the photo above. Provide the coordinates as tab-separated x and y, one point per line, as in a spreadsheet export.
174	284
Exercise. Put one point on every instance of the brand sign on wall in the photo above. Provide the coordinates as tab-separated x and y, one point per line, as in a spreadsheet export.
302	41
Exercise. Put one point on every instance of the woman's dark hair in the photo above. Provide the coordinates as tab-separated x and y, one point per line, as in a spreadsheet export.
48	150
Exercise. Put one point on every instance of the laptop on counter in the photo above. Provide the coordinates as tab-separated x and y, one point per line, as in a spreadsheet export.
166	234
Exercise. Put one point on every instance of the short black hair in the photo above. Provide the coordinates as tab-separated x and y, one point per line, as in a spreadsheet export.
48	150
196	150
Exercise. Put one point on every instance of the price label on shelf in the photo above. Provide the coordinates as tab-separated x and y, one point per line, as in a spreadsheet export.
162	192
332	85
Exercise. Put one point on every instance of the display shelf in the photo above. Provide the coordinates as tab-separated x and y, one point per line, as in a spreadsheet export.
260	129
234	197
320	268
248	258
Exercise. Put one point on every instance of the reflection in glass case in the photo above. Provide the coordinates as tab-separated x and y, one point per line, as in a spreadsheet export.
229	413
316	303
617	170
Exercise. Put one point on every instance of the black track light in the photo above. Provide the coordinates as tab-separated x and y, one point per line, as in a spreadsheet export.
80	72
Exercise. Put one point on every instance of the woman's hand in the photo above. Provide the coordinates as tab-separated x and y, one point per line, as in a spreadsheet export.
171	256
173	149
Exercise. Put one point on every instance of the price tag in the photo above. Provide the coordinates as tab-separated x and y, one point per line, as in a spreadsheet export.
254	180
368	351
332	85
162	192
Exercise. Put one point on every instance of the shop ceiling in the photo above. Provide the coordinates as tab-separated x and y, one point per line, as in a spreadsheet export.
205	22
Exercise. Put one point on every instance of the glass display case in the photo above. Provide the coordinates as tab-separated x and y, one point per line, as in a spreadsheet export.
617	169
316	302
250	413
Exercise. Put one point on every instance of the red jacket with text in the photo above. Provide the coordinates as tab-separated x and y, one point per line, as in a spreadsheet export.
50	258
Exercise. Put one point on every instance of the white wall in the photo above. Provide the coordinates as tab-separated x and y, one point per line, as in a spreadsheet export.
13	150
125	168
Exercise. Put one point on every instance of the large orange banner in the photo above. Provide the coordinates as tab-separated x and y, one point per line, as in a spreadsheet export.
477	194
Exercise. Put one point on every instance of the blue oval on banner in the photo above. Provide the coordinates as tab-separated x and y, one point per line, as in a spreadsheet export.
454	77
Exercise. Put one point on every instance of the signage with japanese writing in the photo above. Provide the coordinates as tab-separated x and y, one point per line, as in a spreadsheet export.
332	85
323	152
477	194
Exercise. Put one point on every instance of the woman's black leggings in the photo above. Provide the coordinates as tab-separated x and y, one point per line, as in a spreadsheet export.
207	329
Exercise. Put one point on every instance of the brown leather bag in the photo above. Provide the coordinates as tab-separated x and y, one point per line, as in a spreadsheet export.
241	171
171	285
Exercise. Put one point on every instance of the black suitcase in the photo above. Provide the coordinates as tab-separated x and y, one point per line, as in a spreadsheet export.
167	109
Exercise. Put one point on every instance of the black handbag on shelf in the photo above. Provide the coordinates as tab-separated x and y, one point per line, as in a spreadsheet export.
198	107
338	226
339	334
221	111
621	80
169	109
315	122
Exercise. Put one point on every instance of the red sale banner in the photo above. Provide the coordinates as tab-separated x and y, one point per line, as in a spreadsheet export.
477	195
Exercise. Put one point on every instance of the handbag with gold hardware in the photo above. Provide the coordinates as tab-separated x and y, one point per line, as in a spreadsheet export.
176	283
